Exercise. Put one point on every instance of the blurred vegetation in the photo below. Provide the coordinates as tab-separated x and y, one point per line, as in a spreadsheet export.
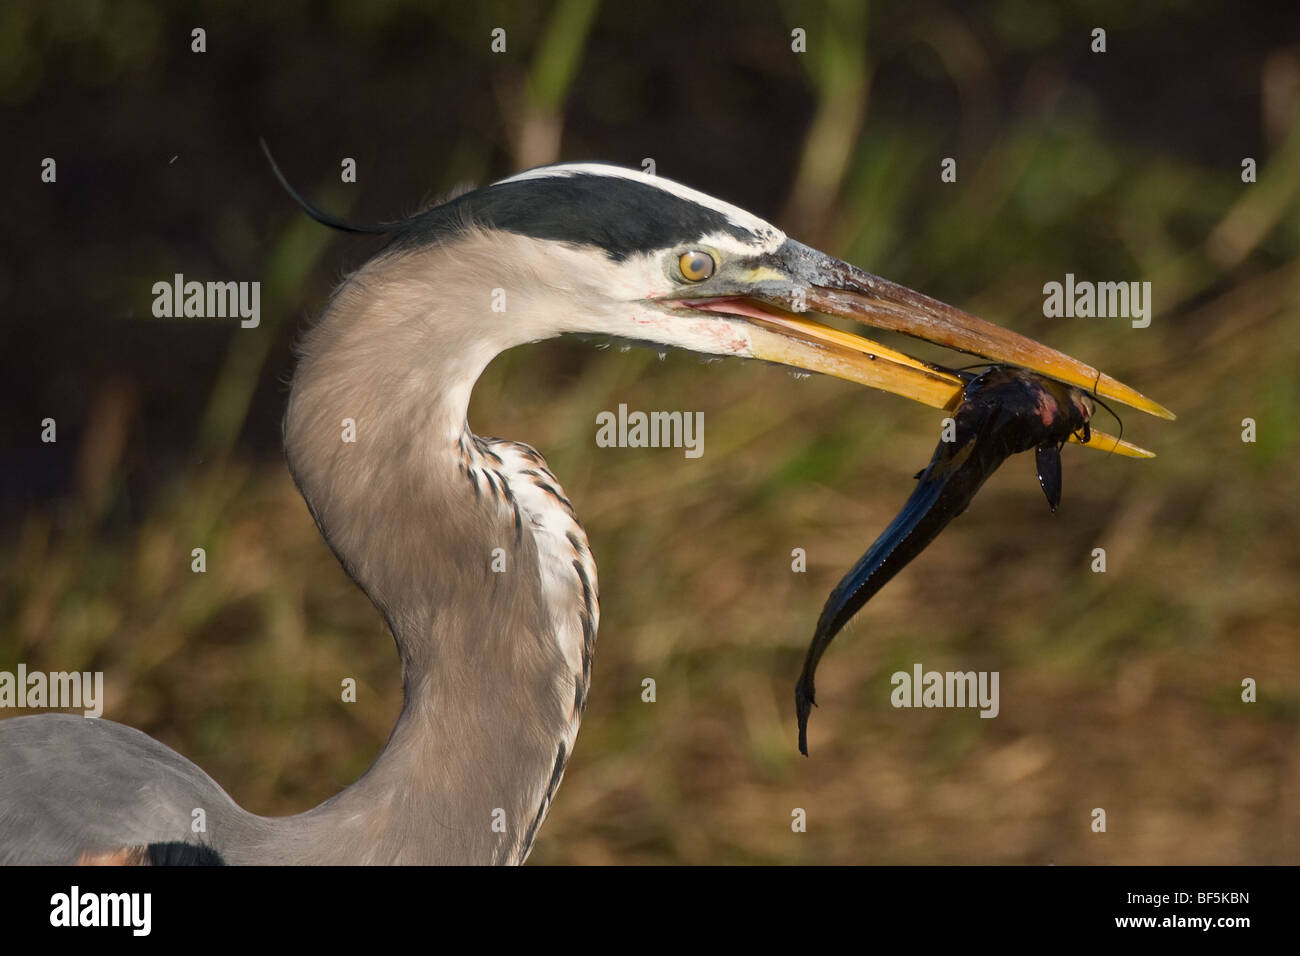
1119	690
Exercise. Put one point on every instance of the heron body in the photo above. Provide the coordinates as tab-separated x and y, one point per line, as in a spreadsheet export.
496	659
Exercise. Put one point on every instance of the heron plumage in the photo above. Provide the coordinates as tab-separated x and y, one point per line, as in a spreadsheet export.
468	546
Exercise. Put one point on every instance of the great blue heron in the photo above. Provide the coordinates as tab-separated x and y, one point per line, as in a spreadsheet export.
495	666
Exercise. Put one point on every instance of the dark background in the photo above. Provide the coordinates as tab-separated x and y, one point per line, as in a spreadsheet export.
1118	690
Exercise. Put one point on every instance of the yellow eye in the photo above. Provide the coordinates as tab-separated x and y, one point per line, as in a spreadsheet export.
696	266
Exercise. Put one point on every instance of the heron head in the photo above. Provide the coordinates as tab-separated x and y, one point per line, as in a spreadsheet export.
599	249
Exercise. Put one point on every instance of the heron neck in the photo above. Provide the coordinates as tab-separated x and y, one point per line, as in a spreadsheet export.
428	525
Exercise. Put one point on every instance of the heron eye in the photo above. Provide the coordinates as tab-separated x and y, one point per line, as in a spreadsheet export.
696	266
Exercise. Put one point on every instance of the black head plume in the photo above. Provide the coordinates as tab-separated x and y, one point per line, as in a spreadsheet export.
320	215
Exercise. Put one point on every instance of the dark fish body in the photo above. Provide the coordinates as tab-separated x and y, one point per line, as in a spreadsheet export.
1003	411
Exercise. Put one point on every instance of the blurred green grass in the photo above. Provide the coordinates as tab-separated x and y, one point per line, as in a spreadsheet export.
1118	690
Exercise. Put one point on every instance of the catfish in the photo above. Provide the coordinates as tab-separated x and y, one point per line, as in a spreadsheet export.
1003	412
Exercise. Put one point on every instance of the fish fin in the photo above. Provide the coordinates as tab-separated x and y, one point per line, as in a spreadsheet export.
1048	458
803	705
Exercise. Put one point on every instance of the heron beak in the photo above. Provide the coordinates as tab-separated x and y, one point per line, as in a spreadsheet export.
773	296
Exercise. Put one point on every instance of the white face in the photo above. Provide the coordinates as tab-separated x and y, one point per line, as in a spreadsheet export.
587	292
624	299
